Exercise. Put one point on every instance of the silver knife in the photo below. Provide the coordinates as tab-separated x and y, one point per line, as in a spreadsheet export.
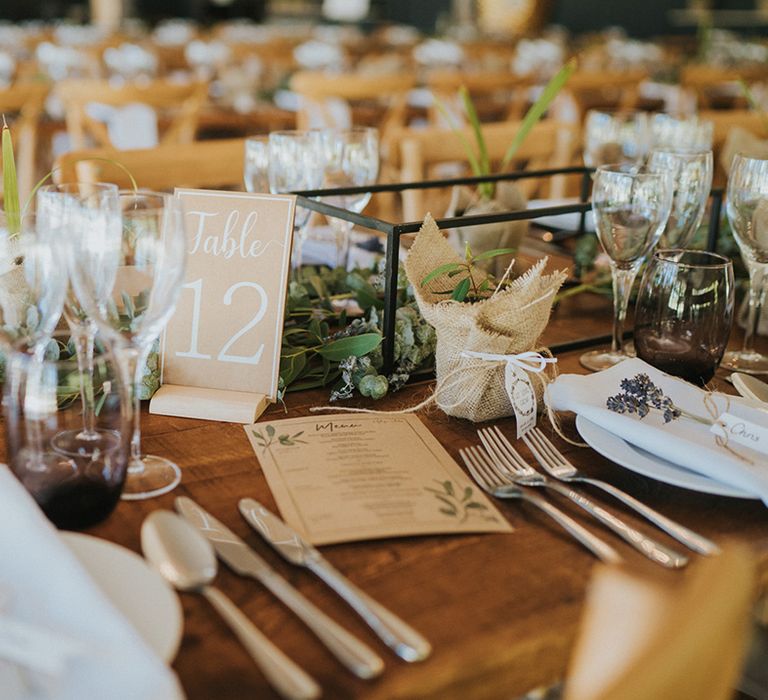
406	642
350	651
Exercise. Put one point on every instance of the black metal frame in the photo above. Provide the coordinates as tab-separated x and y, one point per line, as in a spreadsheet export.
394	231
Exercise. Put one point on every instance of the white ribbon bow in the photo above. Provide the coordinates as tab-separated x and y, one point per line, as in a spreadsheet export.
529	361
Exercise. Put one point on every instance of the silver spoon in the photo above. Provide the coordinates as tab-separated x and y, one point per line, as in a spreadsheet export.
186	560
750	387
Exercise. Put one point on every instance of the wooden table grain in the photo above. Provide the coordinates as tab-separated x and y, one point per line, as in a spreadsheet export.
501	610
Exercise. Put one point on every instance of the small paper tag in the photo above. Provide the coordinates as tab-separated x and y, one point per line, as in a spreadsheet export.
522	396
744	432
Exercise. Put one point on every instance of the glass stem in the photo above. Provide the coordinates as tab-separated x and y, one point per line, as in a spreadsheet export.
758	284
623	279
84	338
133	362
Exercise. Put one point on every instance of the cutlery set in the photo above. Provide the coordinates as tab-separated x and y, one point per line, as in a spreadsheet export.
500	470
184	547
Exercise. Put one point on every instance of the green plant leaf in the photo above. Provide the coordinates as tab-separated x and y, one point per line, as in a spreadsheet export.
446	268
10	184
271	430
538	108
357	345
461	291
494	253
474	121
471	157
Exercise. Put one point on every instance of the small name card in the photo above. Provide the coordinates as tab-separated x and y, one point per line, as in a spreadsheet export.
220	352
744	432
340	478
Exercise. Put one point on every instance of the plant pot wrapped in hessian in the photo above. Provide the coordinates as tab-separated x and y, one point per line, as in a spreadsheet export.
505	328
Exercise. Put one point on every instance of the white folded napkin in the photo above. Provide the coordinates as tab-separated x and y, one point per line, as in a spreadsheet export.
683	441
43	585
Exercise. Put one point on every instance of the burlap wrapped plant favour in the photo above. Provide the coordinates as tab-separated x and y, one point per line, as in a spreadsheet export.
507	323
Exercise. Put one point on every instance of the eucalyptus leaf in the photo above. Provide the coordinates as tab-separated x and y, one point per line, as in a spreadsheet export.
461	291
356	345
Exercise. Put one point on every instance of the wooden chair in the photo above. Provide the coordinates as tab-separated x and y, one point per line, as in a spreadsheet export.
640	639
26	100
549	144
714	86
183	100
215	164
391	90
617	90
501	94
724	122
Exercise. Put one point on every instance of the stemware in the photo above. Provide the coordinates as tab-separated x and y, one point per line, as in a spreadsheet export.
684	312
33	283
351	158
127	271
256	165
681	132
58	209
631	208
42	400
615	138
296	164
691	172
747	209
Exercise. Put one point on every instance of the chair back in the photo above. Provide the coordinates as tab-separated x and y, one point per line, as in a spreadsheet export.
215	164
550	144
26	100
615	90
182	102
643	639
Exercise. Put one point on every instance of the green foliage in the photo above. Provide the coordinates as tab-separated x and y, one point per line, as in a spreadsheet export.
10	184
467	287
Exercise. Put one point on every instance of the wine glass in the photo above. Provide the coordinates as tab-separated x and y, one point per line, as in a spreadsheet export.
684	312
256	166
681	132
127	271
58	209
296	164
33	282
351	158
691	173
747	209
615	138
631	208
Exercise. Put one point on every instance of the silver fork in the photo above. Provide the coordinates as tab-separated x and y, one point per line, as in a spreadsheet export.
525	475
492	481
555	463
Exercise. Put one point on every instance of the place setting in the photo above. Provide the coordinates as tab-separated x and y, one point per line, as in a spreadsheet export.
344	358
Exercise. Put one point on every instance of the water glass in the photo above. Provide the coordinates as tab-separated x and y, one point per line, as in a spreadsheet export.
631	208
42	399
684	313
691	172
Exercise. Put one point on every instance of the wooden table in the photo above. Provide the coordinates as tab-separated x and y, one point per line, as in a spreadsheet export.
500	610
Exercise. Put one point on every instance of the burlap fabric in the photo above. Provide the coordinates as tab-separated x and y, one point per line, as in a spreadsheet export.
14	291
510	322
504	234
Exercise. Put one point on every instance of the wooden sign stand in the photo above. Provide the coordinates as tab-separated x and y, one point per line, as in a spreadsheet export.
220	352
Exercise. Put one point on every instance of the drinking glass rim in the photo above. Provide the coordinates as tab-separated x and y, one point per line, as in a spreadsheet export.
665	255
688	152
628	170
745	156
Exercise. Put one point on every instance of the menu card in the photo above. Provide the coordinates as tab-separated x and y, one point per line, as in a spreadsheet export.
339	478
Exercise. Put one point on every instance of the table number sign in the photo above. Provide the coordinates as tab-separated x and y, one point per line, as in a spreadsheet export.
220	352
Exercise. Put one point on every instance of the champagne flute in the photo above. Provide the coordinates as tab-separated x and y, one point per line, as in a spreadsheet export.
296	164
256	165
691	172
127	271
631	209
747	209
33	283
58	206
351	158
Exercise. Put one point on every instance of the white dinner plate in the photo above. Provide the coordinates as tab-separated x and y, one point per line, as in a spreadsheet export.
137	591
627	455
